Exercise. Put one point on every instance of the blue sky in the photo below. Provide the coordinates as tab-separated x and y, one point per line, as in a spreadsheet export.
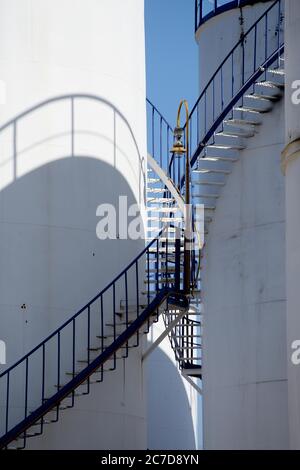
172	63
171	54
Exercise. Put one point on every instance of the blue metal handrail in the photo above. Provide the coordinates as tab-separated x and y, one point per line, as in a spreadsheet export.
228	109
160	132
264	40
207	115
159	136
206	9
165	289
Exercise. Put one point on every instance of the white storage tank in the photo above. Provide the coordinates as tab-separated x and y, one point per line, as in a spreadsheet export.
244	334
58	164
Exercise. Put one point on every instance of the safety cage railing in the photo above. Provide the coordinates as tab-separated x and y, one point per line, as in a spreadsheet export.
247	63
258	48
206	9
186	340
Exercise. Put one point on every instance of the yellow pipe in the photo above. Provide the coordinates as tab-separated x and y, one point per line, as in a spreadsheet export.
187	254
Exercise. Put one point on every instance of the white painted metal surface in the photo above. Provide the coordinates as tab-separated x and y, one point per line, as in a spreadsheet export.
292	171
51	259
244	333
213	36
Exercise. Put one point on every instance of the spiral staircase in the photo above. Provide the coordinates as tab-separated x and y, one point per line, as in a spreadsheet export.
89	346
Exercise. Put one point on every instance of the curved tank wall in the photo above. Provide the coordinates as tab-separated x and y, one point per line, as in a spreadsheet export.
52	181
244	299
244	334
290	165
214	36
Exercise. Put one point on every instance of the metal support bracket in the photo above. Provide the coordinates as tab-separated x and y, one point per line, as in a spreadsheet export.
191	382
164	334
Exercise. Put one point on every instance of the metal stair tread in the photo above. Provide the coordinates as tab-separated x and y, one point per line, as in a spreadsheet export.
261	97
207	196
217	159
279	71
211	170
270	84
160	200
162	209
238	133
225	147
209	183
250	109
242	122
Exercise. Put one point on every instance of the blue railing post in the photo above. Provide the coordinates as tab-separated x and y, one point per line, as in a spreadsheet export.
157	265
43	373
7	403
58	360
88	343
279	21
201	12
26	388
73	354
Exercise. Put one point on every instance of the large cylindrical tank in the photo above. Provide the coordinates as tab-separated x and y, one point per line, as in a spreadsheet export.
291	168
244	333
58	164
